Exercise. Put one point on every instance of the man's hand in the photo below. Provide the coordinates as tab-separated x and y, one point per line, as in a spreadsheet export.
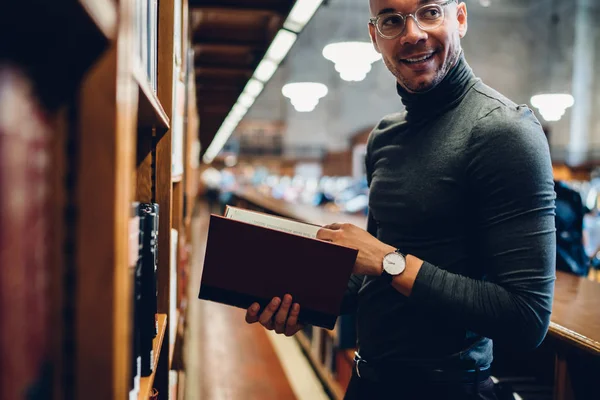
282	317
370	250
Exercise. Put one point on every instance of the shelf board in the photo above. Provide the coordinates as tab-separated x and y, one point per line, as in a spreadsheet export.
150	111
104	15
147	382
323	373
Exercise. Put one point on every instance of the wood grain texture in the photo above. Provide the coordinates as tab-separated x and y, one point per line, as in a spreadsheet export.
163	191
106	127
563	389
576	312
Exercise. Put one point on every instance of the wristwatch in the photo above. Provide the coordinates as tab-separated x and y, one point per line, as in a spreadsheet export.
393	265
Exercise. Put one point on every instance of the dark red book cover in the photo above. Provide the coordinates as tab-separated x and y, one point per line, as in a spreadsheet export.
245	263
24	236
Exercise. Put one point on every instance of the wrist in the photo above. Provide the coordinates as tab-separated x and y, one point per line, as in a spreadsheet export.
404	282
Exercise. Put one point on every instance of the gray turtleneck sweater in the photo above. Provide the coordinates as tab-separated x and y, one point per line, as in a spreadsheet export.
463	180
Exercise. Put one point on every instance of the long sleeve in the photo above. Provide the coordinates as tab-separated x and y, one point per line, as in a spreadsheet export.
509	178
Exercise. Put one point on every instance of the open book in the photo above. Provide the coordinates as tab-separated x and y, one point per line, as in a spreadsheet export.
253	257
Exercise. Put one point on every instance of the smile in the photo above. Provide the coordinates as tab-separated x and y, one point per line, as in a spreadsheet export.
416	60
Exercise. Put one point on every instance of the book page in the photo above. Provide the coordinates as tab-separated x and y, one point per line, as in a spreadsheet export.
272	222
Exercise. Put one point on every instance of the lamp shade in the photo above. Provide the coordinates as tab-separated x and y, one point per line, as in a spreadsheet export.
352	59
304	95
552	106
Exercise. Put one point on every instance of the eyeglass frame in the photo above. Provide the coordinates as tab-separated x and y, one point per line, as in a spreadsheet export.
374	20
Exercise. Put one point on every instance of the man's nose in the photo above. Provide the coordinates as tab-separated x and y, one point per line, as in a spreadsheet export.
412	33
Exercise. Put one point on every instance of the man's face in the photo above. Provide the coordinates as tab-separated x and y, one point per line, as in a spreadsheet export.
440	45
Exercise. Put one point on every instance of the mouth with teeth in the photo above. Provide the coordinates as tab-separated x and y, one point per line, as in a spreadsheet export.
418	59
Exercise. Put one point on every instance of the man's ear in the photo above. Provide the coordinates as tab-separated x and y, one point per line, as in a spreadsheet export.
373	34
461	16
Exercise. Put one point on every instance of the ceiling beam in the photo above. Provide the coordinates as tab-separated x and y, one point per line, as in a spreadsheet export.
281	7
258	43
221	48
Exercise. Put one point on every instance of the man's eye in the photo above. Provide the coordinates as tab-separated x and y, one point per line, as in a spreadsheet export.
391	21
430	13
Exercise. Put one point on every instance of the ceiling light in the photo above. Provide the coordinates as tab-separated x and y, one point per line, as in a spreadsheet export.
254	87
265	70
352	59
301	13
238	110
218	142
552	106
304	95
283	42
246	100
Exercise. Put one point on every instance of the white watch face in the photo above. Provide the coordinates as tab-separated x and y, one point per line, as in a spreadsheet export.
394	263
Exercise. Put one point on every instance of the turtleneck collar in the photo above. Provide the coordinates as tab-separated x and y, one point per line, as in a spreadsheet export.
446	94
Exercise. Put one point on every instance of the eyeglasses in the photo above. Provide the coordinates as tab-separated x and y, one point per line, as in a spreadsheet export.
427	17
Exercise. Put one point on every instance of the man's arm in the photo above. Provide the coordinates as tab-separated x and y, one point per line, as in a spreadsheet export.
509	176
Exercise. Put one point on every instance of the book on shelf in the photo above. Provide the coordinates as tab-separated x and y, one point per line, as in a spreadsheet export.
148	323
177	128
26	219
253	257
135	267
146	30
173	287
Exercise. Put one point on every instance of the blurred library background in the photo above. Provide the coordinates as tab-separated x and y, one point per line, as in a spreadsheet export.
125	123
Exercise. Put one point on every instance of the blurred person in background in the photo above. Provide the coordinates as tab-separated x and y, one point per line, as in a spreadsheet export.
211	180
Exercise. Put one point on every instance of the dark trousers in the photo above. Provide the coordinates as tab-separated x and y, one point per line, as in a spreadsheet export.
418	389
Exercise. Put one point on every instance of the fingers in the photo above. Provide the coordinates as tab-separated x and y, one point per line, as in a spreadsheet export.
266	318
278	315
282	314
333	227
326	234
252	313
292	325
332	232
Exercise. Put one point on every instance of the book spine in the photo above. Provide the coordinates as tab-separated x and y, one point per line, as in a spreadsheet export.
134	259
148	323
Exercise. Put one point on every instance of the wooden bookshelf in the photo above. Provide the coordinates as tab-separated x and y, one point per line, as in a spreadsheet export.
147	382
111	148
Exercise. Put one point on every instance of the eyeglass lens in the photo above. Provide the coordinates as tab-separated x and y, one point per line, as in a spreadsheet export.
428	17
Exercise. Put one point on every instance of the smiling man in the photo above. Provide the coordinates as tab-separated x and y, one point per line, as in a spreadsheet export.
460	244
